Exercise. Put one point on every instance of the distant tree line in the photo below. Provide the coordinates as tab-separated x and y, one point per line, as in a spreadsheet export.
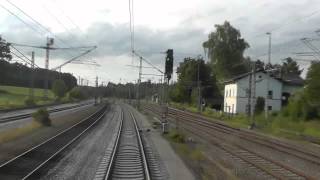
129	90
16	74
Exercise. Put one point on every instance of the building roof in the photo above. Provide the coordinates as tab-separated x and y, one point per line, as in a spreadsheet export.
288	79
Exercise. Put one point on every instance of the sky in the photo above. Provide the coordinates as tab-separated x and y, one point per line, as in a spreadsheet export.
182	25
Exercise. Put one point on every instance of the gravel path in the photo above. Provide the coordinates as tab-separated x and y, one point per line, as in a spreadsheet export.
82	159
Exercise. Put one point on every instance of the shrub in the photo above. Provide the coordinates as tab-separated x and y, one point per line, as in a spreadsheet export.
29	102
177	137
3	91
42	116
76	93
59	88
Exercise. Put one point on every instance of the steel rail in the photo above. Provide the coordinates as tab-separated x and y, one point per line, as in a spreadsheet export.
123	133
258	139
225	130
115	147
33	157
146	166
27	115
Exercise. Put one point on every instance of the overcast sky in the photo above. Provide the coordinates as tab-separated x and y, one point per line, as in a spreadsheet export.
181	24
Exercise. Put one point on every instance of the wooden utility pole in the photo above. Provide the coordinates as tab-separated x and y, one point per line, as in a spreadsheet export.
31	91
96	91
249	93
46	82
253	96
268	76
199	88
139	81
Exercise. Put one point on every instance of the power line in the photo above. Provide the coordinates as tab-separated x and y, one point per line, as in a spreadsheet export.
59	22
69	19
46	29
53	48
288	22
131	23
20	19
132	10
27	60
35	21
145	60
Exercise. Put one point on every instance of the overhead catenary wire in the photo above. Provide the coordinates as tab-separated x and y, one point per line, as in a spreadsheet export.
27	60
131	30
20	19
23	21
42	26
54	48
71	21
35	21
59	22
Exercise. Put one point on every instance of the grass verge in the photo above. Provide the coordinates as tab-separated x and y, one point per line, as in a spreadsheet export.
276	125
15	97
12	134
191	153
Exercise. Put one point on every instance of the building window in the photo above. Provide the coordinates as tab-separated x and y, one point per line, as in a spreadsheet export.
230	92
269	108
270	94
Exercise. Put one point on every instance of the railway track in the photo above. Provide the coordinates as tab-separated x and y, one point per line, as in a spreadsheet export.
28	164
27	115
128	158
269	167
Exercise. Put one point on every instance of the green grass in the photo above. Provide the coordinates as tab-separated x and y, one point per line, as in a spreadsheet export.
276	125
13	97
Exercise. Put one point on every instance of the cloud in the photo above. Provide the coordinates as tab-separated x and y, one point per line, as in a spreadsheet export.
185	33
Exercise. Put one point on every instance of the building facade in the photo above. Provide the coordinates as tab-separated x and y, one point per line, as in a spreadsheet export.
275	91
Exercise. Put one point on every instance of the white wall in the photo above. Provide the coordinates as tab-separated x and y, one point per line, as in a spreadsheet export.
239	99
230	98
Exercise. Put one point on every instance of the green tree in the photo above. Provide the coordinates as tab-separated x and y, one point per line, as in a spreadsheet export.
225	50
290	67
76	93
5	53
313	85
59	88
188	79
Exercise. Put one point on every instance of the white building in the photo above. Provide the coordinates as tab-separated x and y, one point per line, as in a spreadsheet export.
236	91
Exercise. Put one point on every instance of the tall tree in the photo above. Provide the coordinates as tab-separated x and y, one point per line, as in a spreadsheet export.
225	50
5	53
290	67
313	85
188	79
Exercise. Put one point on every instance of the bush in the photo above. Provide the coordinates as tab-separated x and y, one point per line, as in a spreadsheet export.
76	93
29	102
59	88
42	116
3	91
177	137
